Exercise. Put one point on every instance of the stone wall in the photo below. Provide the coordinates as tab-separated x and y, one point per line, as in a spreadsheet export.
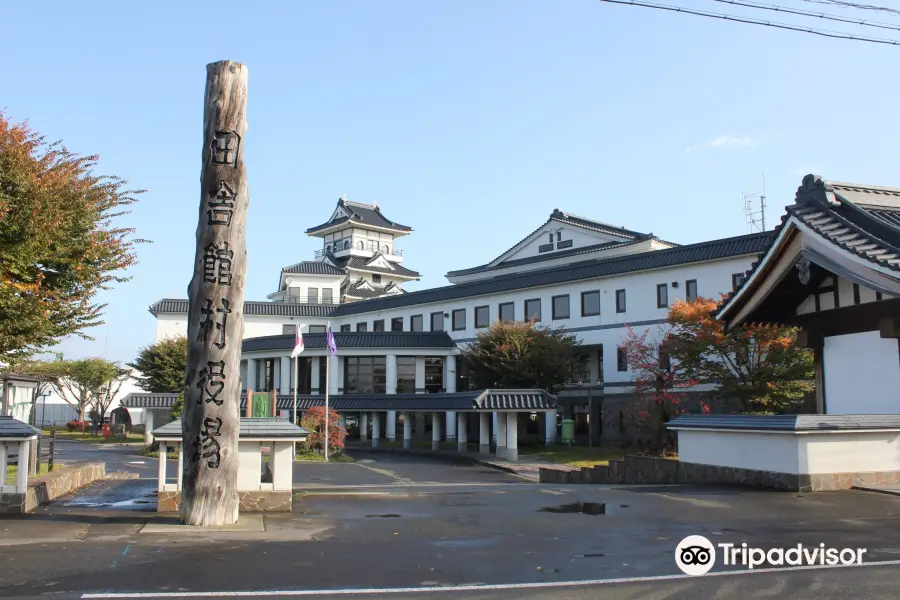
638	470
250	501
43	489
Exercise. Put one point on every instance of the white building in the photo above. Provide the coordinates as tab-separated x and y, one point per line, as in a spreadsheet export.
589	277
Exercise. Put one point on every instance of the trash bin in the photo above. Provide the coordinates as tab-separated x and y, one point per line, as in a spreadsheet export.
568	431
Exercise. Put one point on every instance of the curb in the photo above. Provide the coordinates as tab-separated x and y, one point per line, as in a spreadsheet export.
445	456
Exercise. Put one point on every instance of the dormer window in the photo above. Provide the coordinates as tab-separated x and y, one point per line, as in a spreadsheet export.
376	278
551	237
559	236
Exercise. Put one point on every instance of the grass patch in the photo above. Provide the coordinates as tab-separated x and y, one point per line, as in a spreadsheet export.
97	439
12	471
309	455
573	456
146	451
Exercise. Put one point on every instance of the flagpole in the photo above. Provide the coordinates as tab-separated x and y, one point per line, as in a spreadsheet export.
327	385
296	378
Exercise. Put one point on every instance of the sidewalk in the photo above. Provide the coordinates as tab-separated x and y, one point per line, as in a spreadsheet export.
526	467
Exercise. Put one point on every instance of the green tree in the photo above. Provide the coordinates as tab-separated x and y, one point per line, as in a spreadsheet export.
177	408
521	354
59	241
85	384
160	367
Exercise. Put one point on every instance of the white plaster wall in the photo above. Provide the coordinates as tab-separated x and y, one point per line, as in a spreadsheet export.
862	374
607	328
169	325
249	466
299	285
282	466
745	450
851	452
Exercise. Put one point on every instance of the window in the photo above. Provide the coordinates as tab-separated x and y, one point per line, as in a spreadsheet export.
313	295
362	326
620	301
378	325
508	311
376	278
416	323
737	280
459	319
560	306
590	303
533	309
434	375
662	295
621	359
406	374
437	321
482	316
365	375
551	239
317	328
345	328
690	290
397	324
326	296
266	375
289	329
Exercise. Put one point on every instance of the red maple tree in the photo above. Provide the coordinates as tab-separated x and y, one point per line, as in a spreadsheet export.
313	421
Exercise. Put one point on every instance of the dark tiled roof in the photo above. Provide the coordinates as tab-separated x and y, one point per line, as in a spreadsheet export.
256	427
13	428
657	259
359	263
540	258
148	400
359	292
354	339
584	222
313	267
786	422
251	307
491	400
754	243
863	220
362	214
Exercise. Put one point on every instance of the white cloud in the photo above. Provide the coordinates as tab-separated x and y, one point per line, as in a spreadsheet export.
724	142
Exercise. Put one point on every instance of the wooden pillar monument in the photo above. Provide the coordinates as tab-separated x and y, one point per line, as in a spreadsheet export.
211	417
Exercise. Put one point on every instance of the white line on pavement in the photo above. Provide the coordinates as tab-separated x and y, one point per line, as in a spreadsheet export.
474	588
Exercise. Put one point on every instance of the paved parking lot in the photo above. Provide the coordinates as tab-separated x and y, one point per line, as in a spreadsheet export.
398	521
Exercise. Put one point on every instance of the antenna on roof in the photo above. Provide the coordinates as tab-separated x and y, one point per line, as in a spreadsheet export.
755	209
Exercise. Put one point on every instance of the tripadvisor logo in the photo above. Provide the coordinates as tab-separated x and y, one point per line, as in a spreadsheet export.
696	555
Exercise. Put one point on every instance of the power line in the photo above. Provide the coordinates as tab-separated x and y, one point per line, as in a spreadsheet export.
843	4
712	15
807	13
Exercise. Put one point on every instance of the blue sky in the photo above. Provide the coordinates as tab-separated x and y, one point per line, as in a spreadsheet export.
469	120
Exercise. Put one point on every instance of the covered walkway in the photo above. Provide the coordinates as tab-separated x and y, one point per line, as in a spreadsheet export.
493	417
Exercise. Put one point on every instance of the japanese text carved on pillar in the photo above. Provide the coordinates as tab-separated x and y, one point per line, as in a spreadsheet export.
217	270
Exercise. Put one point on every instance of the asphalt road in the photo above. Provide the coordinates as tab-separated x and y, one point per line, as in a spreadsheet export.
393	521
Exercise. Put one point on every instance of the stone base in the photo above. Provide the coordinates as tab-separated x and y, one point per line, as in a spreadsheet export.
41	490
462	447
643	470
376	442
407	444
501	452
511	455
484	448
250	501
435	445
363	437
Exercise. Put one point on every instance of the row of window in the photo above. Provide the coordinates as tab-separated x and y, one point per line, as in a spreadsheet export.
359	244
559	309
